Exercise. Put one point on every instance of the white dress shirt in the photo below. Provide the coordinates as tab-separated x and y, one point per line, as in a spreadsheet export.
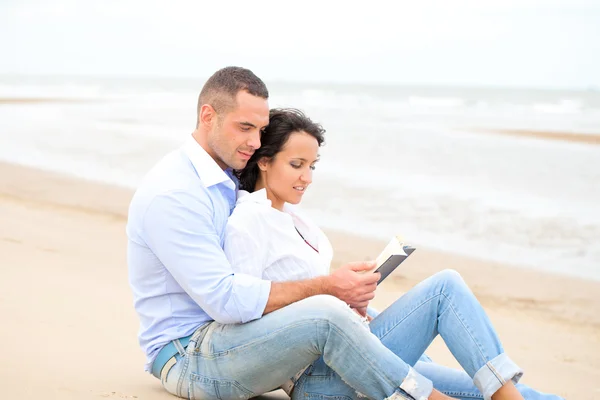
264	242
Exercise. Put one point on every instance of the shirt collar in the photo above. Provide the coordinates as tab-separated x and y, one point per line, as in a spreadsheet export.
259	197
206	167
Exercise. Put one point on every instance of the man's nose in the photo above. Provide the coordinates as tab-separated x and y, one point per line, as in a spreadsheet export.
254	140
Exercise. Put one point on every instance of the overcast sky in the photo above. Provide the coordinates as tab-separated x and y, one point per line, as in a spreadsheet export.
535	43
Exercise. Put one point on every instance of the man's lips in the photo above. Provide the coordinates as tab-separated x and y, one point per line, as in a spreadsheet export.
245	154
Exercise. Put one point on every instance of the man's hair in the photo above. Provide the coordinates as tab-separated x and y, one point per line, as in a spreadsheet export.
282	123
221	88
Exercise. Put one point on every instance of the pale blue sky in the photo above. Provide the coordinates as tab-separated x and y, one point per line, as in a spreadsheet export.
536	43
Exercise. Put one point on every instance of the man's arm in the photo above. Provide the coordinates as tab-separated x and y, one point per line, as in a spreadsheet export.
350	283
245	249
178	228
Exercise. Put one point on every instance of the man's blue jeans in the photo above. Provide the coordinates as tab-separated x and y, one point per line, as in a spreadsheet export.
347	358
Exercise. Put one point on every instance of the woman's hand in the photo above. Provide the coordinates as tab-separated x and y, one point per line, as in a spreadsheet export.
363	313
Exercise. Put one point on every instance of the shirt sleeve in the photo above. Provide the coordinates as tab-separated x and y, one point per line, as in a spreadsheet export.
179	229
242	247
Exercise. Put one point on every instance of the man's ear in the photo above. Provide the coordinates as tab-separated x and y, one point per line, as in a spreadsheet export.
207	115
263	162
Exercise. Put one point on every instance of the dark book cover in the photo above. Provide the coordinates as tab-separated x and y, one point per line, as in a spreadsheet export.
393	261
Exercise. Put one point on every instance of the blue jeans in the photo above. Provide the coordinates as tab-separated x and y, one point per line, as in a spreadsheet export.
347	358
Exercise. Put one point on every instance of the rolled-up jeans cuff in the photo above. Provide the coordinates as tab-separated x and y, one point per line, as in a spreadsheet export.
495	373
415	385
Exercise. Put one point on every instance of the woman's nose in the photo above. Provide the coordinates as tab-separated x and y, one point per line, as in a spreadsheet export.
306	177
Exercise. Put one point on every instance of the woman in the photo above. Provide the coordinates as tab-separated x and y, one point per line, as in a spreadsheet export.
291	247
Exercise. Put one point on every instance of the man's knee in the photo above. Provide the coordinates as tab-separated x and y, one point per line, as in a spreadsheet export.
325	304
328	308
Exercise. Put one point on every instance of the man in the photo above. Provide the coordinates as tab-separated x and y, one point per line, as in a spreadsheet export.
209	333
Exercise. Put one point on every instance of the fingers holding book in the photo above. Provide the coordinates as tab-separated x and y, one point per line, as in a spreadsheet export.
351	285
392	256
352	282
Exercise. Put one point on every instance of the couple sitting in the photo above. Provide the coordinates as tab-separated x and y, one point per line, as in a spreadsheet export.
234	292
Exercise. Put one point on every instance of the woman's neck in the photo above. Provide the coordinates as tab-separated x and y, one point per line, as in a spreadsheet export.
275	202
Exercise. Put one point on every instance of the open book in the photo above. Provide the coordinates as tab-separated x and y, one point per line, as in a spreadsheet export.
392	255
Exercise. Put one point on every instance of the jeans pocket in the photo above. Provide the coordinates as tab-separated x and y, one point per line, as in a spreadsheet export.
205	388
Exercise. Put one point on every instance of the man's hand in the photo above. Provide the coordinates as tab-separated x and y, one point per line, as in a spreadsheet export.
352	285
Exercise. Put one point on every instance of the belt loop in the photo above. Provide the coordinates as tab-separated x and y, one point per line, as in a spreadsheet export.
198	337
179	347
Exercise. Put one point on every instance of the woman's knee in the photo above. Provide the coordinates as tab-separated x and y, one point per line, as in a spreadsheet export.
450	278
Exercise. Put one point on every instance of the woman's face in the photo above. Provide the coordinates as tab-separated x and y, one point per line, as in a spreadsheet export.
287	175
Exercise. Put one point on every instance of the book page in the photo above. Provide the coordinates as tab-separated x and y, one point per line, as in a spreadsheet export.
394	247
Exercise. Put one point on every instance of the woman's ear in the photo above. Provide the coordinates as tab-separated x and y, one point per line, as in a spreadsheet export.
263	162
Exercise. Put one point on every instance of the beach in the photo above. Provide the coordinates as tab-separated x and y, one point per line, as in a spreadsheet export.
69	329
509	175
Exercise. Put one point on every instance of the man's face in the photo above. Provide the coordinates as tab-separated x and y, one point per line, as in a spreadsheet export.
235	135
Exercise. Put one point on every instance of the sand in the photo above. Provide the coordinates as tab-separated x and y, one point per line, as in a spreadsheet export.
69	327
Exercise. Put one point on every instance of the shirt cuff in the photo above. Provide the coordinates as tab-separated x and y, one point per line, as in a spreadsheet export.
249	299
263	299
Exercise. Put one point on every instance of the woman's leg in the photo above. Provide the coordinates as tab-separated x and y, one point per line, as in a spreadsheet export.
456	383
443	304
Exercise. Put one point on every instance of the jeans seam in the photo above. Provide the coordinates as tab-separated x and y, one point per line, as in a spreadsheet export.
494	371
182	374
451	306
367	360
462	394
409	314
467	329
258	340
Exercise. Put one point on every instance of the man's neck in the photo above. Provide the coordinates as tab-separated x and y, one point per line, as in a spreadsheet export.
201	138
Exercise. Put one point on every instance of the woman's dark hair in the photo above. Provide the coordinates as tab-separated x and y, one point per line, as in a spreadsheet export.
282	123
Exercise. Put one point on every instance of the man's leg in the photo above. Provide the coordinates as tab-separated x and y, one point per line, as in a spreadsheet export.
243	360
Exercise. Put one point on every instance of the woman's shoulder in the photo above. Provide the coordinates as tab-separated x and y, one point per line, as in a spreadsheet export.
252	210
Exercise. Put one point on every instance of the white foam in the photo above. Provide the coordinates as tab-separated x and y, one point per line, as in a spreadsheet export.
397	160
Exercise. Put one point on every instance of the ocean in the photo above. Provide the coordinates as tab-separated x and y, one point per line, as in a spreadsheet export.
422	162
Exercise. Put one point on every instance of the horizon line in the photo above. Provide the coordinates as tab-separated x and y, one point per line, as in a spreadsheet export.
589	87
